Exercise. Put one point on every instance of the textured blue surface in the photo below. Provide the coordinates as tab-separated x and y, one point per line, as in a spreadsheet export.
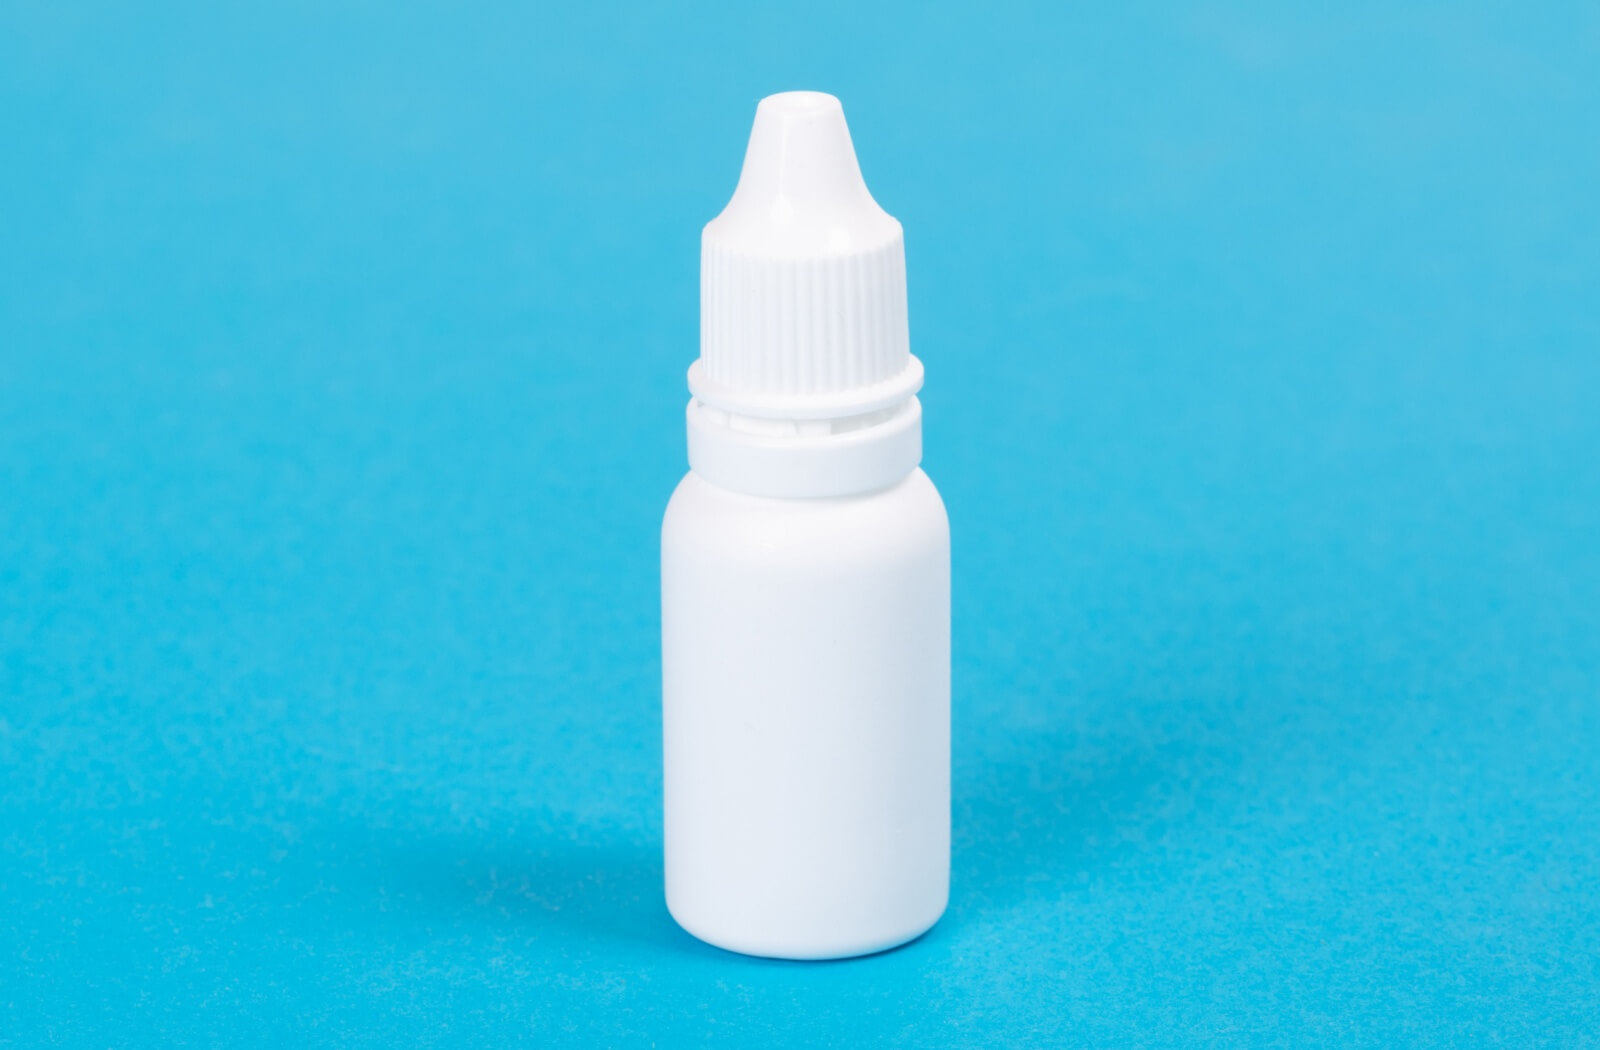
341	390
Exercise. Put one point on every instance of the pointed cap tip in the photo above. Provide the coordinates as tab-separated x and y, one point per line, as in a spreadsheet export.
800	191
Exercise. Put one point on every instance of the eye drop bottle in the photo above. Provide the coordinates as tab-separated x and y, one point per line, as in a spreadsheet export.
805	575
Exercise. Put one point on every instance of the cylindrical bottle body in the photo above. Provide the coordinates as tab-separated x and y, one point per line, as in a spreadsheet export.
806	704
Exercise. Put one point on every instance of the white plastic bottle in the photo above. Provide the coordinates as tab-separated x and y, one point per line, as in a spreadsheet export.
805	575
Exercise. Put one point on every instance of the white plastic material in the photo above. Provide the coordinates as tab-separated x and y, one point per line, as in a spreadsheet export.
805	571
803	339
802	276
807	721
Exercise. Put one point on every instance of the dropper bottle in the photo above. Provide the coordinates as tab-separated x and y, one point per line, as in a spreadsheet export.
805	574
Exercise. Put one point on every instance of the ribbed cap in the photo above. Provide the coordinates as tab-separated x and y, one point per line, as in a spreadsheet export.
802	276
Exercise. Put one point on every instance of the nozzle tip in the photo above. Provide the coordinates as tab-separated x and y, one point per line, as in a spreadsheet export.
800	192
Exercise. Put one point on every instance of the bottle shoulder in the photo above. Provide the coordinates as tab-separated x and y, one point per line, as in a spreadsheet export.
907	518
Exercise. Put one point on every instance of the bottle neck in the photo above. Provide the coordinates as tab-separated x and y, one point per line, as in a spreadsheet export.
805	458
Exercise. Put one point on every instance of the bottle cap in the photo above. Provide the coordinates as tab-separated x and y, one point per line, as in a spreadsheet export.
802	278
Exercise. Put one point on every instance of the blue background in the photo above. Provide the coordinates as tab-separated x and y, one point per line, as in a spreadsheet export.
341	391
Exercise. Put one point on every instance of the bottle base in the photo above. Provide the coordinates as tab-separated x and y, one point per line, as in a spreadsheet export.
809	950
